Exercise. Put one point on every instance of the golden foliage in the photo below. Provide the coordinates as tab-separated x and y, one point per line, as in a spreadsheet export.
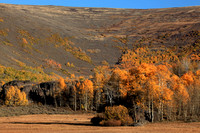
198	72
70	64
15	97
141	55
1	20
4	33
118	113
24	41
93	51
62	84
188	78
28	73
87	86
72	76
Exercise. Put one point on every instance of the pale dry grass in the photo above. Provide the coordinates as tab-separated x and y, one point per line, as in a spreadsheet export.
81	123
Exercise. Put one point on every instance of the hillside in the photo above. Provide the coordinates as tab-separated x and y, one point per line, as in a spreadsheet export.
67	40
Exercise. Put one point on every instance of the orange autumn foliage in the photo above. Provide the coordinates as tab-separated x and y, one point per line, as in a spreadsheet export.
198	72
188	78
62	84
120	77
87	86
179	88
167	94
53	64
24	41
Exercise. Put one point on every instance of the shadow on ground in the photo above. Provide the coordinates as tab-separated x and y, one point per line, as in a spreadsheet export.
50	123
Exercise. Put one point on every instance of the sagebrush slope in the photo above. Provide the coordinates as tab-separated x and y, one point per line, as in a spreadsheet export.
53	37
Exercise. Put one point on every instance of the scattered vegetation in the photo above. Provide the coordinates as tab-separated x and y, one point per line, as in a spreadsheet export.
1	20
70	64
53	64
4	32
29	73
27	41
58	41
7	43
93	51
80	54
27	37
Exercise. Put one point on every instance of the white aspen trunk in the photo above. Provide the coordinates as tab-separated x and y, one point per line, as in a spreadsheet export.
75	101
152	109
149	105
86	101
162	111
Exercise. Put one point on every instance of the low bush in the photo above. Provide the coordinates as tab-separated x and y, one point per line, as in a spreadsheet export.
127	121
113	116
116	112
111	122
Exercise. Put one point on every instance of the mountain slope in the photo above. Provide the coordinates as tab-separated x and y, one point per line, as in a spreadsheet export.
68	40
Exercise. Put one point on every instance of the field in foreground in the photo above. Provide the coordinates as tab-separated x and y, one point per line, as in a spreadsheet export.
81	123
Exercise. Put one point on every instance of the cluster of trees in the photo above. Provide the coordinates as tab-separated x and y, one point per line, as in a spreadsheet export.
157	84
154	84
152	88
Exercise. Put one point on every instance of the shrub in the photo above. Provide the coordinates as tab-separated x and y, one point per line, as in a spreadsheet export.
53	64
127	121
4	32
111	122
14	97
93	51
113	116
116	112
1	20
70	64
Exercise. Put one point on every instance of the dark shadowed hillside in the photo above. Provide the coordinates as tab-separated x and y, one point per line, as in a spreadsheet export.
67	40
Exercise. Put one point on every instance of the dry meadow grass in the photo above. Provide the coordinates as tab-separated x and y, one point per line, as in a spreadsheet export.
81	123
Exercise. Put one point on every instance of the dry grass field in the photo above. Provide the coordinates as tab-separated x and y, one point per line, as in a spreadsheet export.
81	123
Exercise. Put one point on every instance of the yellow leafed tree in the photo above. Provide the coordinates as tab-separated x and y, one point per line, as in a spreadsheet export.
86	90
15	97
